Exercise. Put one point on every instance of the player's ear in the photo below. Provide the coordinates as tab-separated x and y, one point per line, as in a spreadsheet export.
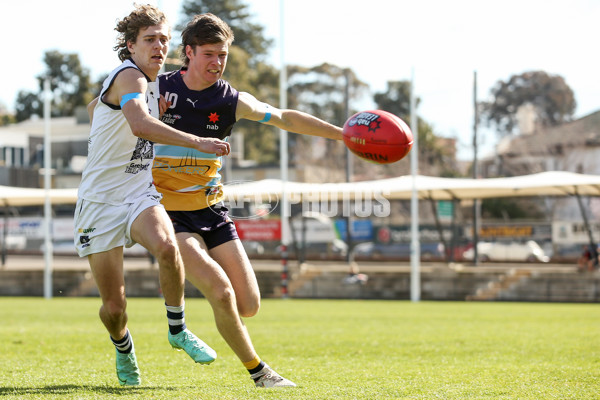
189	50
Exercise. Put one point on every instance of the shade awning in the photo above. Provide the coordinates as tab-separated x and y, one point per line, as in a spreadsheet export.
551	183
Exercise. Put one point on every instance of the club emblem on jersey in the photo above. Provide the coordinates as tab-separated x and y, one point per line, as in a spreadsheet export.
213	117
144	150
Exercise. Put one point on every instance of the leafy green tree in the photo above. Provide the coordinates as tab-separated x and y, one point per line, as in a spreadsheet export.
248	34
321	91
434	157
28	104
261	142
552	98
396	99
511	209
69	81
70	84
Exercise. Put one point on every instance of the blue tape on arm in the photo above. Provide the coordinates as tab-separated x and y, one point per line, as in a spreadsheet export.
129	96
266	118
267	114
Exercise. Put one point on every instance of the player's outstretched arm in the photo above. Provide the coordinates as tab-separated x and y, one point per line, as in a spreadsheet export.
291	120
145	126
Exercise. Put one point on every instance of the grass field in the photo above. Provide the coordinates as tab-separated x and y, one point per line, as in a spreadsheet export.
58	349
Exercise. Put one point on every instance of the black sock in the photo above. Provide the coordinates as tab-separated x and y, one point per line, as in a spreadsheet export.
176	317
124	345
254	371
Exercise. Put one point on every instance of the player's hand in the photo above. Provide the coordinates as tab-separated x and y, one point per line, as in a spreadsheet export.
163	105
214	146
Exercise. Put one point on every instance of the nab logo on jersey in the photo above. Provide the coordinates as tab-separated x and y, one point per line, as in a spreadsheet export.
213	117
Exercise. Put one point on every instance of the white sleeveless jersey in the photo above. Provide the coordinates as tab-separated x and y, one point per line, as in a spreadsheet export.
119	164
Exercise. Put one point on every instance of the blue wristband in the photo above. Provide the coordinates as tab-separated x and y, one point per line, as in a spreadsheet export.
129	96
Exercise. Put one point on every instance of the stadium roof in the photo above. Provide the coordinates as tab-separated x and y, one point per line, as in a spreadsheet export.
17	196
552	183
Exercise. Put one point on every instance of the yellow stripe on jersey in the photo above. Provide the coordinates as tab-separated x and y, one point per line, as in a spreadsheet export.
186	180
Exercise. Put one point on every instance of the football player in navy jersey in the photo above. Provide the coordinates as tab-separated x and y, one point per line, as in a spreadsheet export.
200	102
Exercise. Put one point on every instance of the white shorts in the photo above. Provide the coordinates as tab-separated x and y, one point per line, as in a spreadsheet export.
100	227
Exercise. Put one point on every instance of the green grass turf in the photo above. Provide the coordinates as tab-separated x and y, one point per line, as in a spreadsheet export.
58	349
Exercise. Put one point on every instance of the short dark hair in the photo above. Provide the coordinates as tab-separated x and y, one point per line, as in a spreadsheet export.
204	29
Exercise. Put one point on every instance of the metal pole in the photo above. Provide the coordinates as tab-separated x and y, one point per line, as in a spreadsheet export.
349	168
283	151
415	245
47	202
476	205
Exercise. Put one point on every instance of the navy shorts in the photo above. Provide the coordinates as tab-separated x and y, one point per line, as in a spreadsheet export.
212	224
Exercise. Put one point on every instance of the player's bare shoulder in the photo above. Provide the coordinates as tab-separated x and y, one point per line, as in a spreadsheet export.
129	80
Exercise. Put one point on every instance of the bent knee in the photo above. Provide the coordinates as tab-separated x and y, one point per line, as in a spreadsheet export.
115	309
249	308
224	297
167	253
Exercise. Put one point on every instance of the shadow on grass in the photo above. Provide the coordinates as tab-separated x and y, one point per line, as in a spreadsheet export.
69	389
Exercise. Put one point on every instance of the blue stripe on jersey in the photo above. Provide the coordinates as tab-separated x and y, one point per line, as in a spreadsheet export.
215	181
177	151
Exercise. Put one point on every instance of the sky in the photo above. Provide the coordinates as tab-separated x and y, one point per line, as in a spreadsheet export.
439	44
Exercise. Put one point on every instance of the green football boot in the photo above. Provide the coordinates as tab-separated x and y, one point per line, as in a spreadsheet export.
127	369
194	347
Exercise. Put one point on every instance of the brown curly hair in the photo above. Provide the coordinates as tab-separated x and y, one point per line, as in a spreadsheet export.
204	29
129	27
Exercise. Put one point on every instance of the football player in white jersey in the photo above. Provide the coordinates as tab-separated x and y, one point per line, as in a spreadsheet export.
118	204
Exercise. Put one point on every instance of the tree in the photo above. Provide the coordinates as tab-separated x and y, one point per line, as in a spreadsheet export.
70	84
320	91
261	142
28	104
511	209
434	156
5	117
551	97
396	99
248	35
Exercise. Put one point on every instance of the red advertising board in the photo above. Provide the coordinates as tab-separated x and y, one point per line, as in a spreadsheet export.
258	229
